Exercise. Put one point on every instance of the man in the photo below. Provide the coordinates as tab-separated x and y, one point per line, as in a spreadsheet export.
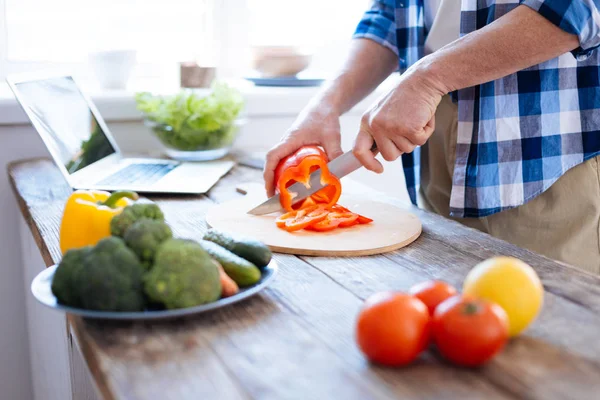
508	115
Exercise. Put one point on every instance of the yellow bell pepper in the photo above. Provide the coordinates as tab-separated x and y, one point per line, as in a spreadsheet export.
87	215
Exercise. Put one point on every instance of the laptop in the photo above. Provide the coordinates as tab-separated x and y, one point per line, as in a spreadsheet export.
85	151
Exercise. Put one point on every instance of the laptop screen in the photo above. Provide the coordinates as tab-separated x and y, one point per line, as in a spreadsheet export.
61	115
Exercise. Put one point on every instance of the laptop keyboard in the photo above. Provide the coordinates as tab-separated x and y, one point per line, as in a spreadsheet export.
138	174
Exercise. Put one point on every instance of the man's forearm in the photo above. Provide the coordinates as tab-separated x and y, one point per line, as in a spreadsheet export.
518	40
367	65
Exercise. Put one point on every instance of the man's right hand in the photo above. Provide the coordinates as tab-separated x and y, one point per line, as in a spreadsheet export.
318	124
367	65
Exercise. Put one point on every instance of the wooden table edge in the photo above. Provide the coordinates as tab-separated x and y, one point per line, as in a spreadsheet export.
33	226
101	384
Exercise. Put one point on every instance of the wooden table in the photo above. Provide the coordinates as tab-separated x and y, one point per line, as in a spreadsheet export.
295	339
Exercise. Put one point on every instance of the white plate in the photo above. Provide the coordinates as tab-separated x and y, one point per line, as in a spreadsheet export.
41	289
285	81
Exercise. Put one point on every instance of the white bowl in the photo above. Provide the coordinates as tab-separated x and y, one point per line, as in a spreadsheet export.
113	68
279	61
196	145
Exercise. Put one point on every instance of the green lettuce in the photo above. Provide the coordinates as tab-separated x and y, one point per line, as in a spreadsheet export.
187	119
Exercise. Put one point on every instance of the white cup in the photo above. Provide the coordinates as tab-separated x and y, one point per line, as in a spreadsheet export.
113	67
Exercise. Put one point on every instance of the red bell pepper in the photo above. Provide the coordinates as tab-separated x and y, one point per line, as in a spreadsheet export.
301	219
361	219
324	226
297	167
335	219
345	218
318	212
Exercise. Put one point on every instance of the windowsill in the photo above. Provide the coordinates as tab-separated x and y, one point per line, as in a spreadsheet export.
119	105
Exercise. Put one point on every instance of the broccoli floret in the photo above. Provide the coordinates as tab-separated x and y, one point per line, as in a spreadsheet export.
183	275
130	214
112	278
107	277
63	282
144	237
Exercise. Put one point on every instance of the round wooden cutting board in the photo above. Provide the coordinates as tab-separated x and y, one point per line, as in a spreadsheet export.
391	229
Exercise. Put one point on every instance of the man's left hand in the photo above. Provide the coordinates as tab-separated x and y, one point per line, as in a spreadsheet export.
399	122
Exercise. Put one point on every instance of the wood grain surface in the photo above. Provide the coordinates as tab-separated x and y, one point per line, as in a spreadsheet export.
392	227
295	340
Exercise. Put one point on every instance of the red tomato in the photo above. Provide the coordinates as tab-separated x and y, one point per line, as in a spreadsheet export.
469	331
393	328
432	293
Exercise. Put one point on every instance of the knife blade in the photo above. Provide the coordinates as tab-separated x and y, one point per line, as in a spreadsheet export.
340	167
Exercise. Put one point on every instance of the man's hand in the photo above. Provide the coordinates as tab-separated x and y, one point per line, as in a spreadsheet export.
403	119
317	125
367	65
399	122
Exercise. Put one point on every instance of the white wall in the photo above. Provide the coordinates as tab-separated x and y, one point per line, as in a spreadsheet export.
15	143
14	354
20	141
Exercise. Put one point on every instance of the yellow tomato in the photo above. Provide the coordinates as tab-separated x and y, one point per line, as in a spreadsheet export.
510	283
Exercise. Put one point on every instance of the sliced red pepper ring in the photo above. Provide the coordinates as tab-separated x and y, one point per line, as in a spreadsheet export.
361	219
317	211
324	226
338	207
344	218
364	220
297	167
351	224
301	219
334	220
282	219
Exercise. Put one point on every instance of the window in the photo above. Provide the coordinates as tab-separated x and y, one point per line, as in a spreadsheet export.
41	33
65	31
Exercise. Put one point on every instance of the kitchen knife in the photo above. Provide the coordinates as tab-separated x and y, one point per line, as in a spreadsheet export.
340	167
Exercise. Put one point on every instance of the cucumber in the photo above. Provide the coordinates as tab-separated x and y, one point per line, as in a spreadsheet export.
250	249
242	271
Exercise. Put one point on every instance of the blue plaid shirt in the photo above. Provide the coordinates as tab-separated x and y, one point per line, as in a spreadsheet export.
519	134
